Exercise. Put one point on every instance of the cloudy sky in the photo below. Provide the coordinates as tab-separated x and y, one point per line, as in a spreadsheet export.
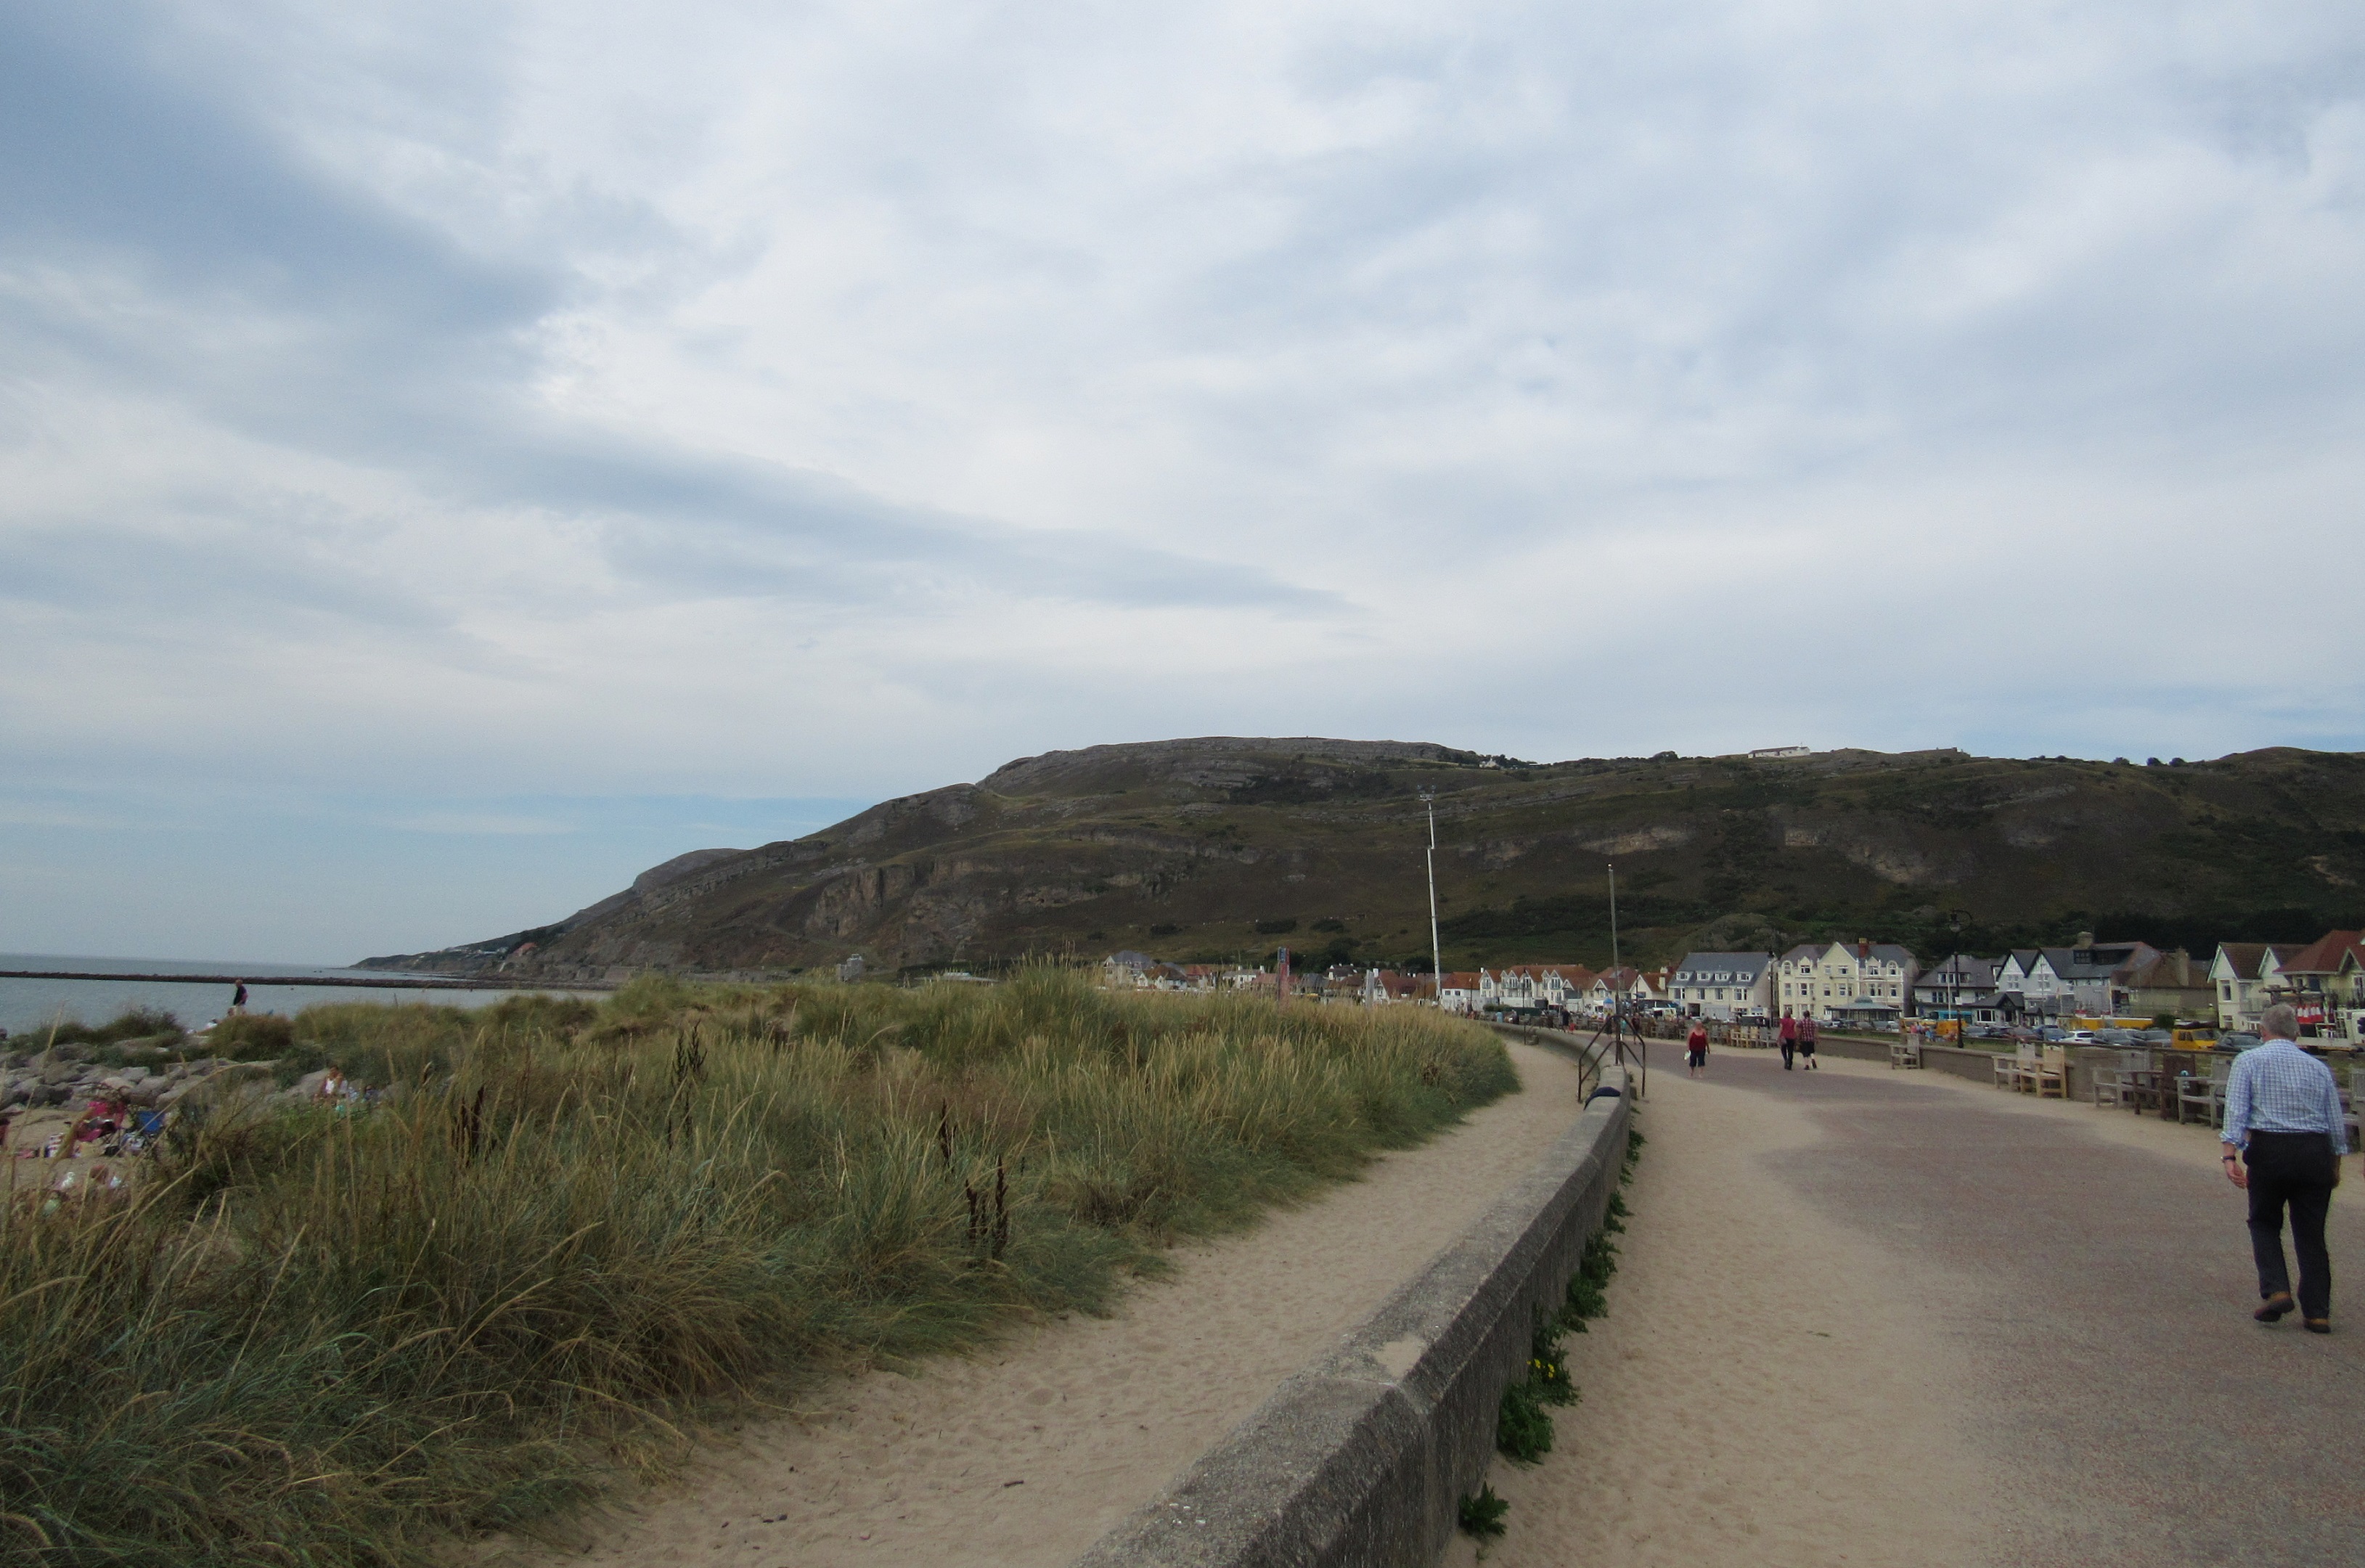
454	455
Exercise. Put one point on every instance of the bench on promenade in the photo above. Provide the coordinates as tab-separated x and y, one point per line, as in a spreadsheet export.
2203	1098
2038	1070
1905	1053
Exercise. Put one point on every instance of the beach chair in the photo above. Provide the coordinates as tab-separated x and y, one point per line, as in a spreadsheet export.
2007	1068
2049	1074
1905	1053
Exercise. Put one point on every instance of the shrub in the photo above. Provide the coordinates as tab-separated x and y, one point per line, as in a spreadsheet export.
1523	1431
1482	1514
252	1037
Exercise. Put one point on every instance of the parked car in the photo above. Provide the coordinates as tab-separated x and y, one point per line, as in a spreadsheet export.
2238	1041
2052	1034
2075	1038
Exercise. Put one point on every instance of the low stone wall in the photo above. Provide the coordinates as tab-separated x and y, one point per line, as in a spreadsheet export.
1363	1458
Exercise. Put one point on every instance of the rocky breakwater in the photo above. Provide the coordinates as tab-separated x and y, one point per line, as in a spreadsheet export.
66	1076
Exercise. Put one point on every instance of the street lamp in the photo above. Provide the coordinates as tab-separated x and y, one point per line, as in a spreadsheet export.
1956	917
1436	952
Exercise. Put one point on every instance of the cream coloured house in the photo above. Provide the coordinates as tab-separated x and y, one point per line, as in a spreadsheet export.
2248	977
1867	981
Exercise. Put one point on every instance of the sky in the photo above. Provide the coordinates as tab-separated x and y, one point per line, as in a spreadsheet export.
453	456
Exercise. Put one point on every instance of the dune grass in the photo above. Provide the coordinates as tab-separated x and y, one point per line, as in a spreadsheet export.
567	1234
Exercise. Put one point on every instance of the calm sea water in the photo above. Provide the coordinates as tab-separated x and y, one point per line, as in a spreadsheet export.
29	1006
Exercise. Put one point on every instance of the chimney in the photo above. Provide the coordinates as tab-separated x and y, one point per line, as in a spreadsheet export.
1862	950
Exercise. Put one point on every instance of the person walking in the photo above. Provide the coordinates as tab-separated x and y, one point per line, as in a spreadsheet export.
1789	1039
2284	1141
1695	1050
1807	1044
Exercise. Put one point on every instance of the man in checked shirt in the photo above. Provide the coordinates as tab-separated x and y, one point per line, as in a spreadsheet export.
2283	1141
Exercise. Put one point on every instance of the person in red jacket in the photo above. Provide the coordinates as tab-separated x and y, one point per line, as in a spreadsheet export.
1696	1049
1789	1039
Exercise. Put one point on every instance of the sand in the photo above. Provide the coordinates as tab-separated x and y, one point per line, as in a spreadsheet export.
1024	1454
1763	1391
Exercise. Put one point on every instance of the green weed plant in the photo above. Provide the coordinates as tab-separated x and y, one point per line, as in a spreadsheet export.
562	1237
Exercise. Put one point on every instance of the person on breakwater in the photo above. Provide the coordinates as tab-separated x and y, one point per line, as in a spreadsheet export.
1789	1039
1807	1044
1695	1050
2284	1141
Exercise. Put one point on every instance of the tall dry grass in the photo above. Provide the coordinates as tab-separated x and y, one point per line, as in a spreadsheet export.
566	1233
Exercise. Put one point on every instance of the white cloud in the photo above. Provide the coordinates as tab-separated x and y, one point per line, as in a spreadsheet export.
838	400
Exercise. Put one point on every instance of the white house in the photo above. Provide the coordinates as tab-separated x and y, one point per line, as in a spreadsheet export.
1460	992
2088	977
2250	978
1610	986
1724	985
1871	981
1525	986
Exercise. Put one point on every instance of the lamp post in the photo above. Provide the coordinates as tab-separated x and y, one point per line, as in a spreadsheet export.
1955	918
1436	952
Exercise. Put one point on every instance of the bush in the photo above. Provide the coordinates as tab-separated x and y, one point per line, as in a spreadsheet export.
252	1037
1482	1516
131	1023
1523	1431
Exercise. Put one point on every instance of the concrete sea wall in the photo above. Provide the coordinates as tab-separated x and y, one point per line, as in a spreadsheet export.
1361	1458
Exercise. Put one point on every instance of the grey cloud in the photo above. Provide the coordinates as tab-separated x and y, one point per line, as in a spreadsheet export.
306	314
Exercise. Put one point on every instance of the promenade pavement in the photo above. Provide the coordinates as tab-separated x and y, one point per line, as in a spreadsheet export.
1881	1316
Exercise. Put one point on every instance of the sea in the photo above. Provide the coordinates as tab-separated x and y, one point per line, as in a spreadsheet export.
27	1006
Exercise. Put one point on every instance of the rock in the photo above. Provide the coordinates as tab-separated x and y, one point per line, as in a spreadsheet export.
58	1073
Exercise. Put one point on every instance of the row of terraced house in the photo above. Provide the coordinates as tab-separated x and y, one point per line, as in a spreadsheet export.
1877	985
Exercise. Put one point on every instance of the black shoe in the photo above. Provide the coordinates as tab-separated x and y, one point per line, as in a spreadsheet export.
2274	1306
2316	1325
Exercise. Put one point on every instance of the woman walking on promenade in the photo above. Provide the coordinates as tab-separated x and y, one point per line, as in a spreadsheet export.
2284	1142
1695	1050
1807	1042
1789	1039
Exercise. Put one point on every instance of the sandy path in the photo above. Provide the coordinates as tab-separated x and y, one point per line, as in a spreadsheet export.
1760	1393
1026	1454
2040	1351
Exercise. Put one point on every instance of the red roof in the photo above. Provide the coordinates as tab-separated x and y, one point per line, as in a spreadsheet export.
2321	956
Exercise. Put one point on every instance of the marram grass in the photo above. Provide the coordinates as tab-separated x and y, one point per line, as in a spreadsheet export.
569	1233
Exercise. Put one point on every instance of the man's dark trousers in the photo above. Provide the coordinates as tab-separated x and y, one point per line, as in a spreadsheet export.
2297	1169
1788	1047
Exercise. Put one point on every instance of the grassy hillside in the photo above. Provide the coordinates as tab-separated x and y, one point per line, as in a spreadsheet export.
1212	849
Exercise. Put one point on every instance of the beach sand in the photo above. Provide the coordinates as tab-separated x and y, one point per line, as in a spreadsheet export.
1026	1453
1764	1390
